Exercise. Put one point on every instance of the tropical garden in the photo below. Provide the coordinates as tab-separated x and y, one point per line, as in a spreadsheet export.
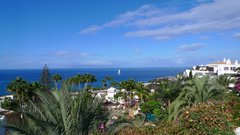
184	105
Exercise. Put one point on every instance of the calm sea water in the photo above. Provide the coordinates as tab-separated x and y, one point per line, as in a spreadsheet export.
138	74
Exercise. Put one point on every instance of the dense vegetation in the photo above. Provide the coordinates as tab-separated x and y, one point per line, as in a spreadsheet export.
59	112
193	105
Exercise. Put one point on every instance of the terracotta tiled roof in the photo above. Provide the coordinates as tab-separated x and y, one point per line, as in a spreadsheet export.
221	62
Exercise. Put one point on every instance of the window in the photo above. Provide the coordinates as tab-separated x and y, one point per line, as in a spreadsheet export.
210	69
226	68
233	68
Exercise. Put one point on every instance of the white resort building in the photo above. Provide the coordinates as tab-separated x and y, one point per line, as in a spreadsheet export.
216	68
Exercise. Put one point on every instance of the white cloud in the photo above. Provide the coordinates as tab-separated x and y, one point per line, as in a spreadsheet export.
125	19
237	35
72	54
190	48
91	29
151	21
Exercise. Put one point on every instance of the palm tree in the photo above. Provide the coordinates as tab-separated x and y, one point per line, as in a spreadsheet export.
58	113
225	80
129	85
108	79
114	84
169	90
32	89
195	91
56	78
88	78
104	83
20	88
141	91
79	80
72	82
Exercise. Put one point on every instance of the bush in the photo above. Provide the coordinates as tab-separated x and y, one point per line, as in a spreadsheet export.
233	107
149	106
155	108
138	131
207	118
10	104
163	128
200	119
237	86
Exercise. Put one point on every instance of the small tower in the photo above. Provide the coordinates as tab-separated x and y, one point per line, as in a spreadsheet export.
228	62
224	60
236	62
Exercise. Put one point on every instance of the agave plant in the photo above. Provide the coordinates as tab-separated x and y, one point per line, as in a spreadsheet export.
195	91
59	113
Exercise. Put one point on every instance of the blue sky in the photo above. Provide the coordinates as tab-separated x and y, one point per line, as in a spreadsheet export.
122	33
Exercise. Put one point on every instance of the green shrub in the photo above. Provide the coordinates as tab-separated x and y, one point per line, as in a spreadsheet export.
207	118
163	128
233	107
138	131
155	108
10	104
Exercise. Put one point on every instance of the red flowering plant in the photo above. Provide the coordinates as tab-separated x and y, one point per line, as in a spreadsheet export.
237	86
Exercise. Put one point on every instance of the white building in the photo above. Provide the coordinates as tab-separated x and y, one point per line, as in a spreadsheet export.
110	94
216	68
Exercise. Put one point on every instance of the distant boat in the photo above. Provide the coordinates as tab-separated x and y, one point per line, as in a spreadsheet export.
119	72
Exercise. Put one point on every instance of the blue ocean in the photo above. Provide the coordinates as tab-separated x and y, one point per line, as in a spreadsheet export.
138	74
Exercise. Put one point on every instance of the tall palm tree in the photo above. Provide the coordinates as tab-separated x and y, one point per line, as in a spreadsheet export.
169	90
20	88
108	79
114	84
195	91
88	78
56	78
72	82
129	85
58	113
104	83
79	80
141	91
32	89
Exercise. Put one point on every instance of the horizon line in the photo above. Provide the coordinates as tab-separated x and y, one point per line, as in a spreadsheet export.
94	68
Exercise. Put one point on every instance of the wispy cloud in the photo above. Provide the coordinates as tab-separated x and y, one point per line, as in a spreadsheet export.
190	48
151	21
138	51
237	35
126	19
91	29
72	54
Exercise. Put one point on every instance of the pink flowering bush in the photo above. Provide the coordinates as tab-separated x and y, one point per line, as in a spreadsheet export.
237	87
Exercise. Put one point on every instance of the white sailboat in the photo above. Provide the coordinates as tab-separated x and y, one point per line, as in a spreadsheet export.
119	72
